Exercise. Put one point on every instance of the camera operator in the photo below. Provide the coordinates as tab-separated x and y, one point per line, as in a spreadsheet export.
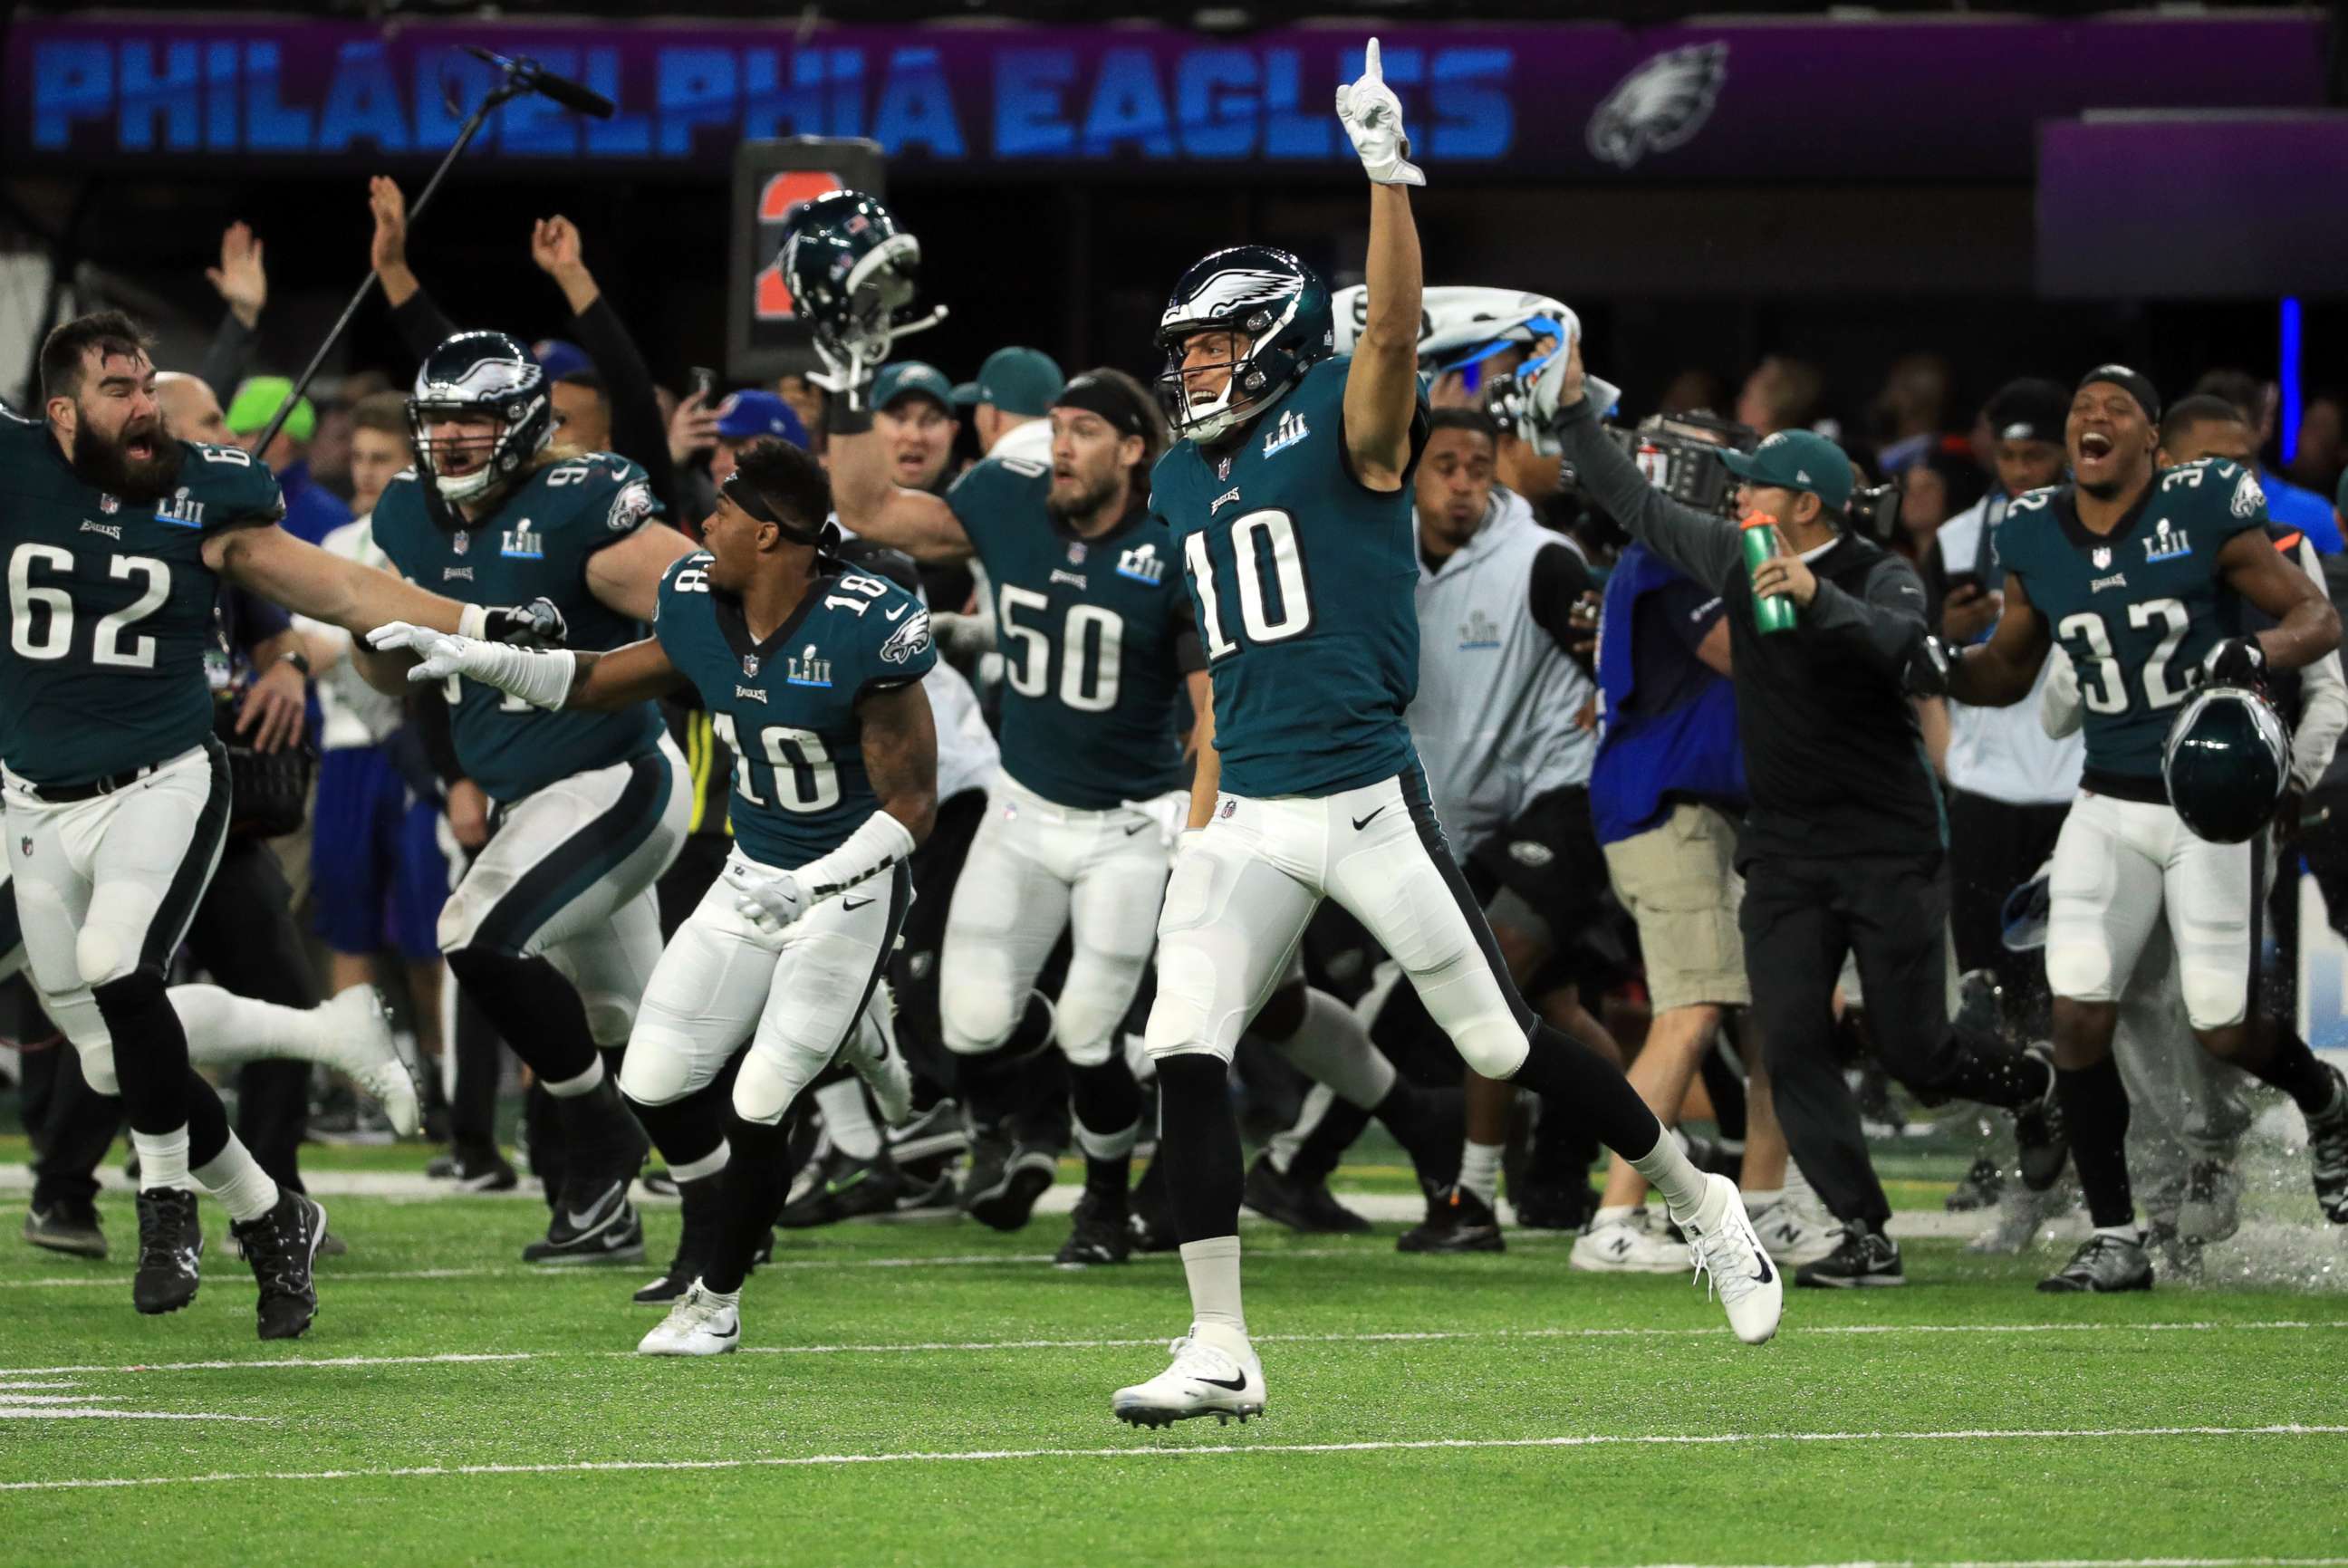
1842	849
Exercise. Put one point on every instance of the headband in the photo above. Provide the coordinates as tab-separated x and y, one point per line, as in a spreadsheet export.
1098	395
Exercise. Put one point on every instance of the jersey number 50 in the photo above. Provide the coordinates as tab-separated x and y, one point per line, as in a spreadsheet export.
1263	545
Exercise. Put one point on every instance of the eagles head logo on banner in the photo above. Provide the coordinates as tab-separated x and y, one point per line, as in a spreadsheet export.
1660	105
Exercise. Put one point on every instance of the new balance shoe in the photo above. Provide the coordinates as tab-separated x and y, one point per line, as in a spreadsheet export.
1793	1235
2212	1209
701	1322
1864	1259
1292	1200
2104	1263
2042	1131
67	1225
281	1246
1978	1190
1627	1243
1457	1220
474	1171
1745	1283
839	1186
1003	1195
1214	1373
1097	1237
593	1224
2327	1149
366	1048
171	1251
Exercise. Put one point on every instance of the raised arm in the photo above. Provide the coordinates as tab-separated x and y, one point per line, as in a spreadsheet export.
603	683
873	506
1382	382
543	677
1702	544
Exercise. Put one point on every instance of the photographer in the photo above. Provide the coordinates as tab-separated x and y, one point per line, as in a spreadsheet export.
1842	849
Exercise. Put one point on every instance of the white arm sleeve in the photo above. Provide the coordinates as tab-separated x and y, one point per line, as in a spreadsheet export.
2059	713
881	842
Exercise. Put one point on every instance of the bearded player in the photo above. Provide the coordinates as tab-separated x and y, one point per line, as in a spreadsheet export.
1289	497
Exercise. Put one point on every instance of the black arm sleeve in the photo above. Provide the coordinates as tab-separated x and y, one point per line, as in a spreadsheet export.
421	324
638	432
1702	544
1887	623
427	716
1559	579
228	358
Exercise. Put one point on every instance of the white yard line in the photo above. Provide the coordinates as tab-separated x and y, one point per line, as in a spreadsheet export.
936	1347
2042	1562
1173	1451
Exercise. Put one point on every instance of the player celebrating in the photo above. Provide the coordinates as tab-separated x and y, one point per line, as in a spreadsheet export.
555	927
816	670
117	795
1290	496
2141	572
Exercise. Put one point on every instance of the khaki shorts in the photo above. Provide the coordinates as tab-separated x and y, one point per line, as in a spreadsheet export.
1679	881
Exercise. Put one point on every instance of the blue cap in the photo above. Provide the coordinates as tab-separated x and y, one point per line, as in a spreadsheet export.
559	358
746	416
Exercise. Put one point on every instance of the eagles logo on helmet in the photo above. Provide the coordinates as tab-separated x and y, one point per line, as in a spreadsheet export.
2226	763
851	272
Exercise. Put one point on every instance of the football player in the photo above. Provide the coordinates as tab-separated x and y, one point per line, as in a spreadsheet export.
816	670
1289	496
117	536
2141	573
555	928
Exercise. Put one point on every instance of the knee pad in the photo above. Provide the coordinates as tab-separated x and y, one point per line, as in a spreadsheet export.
659	1068
103	959
1496	1047
458	916
1180	1021
1085	1030
975	1019
766	1086
610	1017
2081	972
2215	998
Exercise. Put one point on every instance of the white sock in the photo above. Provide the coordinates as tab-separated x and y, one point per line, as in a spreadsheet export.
1613	1214
237	1179
1108	1145
1670	1173
709	1164
163	1159
585	1083
1480	1169
225	1029
1212	1267
1332	1046
1756	1200
2131	1233
732	1298
849	1118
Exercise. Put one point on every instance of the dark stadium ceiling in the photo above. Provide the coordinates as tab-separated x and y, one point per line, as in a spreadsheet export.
1236	15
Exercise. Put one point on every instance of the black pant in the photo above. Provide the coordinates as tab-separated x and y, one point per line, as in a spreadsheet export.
1799	918
1994	848
245	937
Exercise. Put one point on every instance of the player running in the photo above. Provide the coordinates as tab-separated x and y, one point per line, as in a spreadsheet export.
554	927
814	672
1289	497
2142	573
117	536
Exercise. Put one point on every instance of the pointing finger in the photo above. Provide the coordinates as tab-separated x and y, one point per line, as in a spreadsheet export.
1370	67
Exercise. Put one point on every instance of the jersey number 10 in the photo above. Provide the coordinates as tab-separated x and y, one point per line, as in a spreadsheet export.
1259	539
804	778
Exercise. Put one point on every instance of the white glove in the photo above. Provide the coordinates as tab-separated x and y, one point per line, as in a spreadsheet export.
538	678
1171	812
769	899
1372	116
960	636
846	371
438	654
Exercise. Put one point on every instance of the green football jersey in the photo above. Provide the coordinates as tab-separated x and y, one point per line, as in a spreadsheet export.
2137	608
1304	583
110	607
1093	637
786	706
535	545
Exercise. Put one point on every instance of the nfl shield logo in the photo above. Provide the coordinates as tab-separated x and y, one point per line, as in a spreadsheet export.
1230	807
1076	554
462	542
25	844
750	664
2102	557
108	504
1223	469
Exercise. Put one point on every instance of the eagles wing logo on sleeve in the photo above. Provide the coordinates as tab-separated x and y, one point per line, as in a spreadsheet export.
1660	105
631	506
2248	495
912	638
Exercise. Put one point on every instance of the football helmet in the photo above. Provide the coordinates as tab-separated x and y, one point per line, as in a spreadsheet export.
851	272
1278	302
2226	763
479	374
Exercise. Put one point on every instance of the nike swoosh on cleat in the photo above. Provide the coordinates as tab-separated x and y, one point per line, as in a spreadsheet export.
1135	829
1361	822
1238	1384
1766	1274
579	1222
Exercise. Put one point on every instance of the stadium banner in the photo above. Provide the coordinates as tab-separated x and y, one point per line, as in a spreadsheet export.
1795	101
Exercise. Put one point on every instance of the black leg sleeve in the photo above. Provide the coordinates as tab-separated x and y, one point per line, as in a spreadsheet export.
1198	1142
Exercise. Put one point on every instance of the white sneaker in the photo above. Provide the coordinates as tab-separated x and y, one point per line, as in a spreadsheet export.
872	1050
1630	1244
1795	1238
701	1322
1223	1380
364	1048
1748	1284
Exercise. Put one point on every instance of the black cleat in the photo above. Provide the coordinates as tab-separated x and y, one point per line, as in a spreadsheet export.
604	1229
171	1251
281	1246
68	1225
2043	1133
1866	1258
931	1134
474	1171
2212	1208
2102	1265
842	1187
1096	1238
1457	1220
2327	1147
1298	1202
1555	1205
1150	1219
1003	1195
1983	1185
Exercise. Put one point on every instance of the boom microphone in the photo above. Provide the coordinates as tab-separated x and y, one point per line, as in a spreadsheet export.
531	77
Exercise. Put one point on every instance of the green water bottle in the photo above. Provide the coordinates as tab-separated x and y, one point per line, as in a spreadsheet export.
1774	612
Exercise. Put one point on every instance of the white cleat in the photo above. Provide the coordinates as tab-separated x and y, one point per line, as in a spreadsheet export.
701	1322
1726	1245
364	1048
1221	1379
1630	1244
1794	1237
872	1050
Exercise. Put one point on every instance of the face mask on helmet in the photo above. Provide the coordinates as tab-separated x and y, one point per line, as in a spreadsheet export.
1265	295
852	273
2226	763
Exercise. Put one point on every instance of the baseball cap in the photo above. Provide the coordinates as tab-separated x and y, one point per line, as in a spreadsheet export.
1797	459
911	377
257	401
1017	381
2028	411
746	416
559	358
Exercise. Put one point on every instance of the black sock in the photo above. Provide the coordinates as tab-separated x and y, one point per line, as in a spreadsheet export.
2096	1104
207	1121
1430	1126
753	1185
597	1128
1198	1143
687	1129
1562	1148
1725	1085
993	1084
1106	1101
533	1006
1317	1156
2296	1069
1567	1073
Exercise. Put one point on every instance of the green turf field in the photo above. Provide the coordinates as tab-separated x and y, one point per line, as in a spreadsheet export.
933	1393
